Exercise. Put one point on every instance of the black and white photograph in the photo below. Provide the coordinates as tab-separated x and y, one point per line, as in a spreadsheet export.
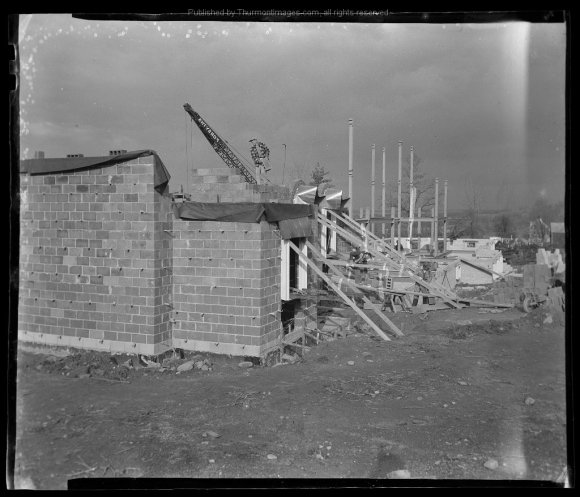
289	249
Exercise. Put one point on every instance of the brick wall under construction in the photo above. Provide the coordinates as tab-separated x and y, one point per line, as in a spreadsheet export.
94	268
105	265
226	286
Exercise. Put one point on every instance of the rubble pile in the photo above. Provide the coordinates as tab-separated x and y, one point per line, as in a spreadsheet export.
543	279
553	260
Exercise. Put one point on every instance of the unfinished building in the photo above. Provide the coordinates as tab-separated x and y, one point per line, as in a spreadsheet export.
110	262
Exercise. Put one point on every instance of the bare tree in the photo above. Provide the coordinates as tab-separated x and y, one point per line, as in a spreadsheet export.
422	182
503	225
473	209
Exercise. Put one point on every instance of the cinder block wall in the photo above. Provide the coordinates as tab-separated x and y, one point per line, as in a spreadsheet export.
95	265
223	184
226	287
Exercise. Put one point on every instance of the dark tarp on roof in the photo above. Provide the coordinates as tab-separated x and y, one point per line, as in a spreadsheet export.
61	165
295	228
292	219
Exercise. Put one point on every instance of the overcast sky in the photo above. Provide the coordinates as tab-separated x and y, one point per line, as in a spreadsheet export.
480	103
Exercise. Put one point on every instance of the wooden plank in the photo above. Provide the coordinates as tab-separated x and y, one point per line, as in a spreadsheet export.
327	280
441	293
354	225
357	241
480	267
312	336
370	266
285	271
293	336
420	309
486	303
400	293
351	222
375	308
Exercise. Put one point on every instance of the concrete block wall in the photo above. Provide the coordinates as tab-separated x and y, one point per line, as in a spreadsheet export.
226	287
106	266
93	253
224	184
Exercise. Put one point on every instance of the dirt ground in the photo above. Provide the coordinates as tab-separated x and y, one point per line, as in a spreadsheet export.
466	395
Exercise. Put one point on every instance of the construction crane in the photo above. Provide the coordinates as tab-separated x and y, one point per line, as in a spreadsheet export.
220	145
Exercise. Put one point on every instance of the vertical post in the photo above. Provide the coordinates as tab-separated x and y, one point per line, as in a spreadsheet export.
284	166
399	192
436	216
445	216
383	212
324	235
362	212
411	207
392	227
419	224
350	167
302	280
432	227
372	187
285	270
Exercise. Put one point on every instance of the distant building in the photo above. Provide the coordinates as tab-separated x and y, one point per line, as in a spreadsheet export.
558	235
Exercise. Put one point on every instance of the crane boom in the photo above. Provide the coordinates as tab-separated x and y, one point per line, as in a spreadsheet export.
220	145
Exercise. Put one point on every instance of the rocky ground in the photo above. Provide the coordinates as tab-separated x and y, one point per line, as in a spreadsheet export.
465	395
